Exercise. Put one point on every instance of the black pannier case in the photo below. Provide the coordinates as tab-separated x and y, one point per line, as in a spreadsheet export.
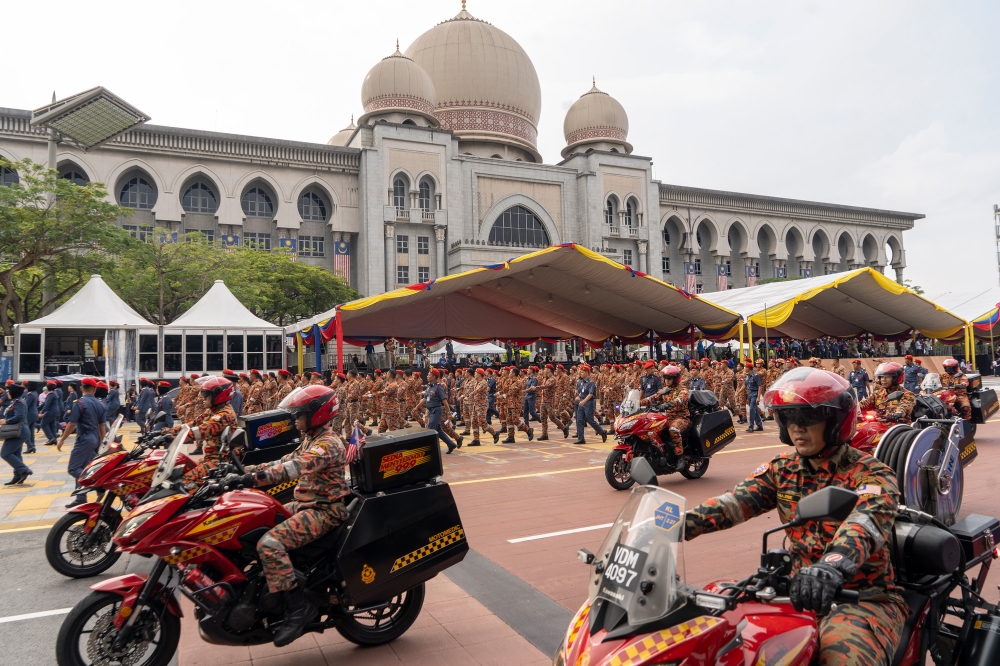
271	428
984	405
977	534
396	458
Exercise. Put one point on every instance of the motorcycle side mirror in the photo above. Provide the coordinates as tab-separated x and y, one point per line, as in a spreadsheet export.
238	440
160	417
895	395
642	472
149	412
224	438
829	503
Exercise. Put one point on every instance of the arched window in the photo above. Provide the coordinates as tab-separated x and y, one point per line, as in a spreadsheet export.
609	214
517	226
629	214
8	176
199	198
399	193
496	157
408	122
137	192
425	195
73	174
311	207
257	203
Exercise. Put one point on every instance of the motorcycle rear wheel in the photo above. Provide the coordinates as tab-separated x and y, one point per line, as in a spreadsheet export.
696	468
386	624
617	470
68	558
87	633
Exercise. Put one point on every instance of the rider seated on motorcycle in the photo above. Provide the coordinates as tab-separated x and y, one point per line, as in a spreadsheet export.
955	379
216	415
887	379
672	400
816	412
317	467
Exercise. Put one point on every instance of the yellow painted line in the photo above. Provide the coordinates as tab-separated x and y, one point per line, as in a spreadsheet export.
753	448
26	529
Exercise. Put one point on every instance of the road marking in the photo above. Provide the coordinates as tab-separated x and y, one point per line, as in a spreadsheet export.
561	533
754	448
32	616
524	476
27	529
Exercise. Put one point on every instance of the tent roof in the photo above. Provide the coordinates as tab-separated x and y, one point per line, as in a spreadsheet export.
563	291
978	306
218	308
841	305
94	306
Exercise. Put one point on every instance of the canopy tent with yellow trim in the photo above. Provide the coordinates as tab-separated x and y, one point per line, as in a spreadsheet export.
841	305
561	292
978	306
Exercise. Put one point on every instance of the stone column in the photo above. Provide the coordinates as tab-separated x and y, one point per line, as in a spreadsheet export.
335	236
390	256
440	233
643	245
899	273
778	263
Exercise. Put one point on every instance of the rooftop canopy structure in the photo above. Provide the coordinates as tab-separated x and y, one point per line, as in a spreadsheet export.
841	305
88	119
218	332
561	292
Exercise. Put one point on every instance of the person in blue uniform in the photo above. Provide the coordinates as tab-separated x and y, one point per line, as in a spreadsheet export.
236	402
491	396
113	401
586	394
913	374
144	403
696	382
165	404
531	395
436	402
87	419
15	413
754	382
50	412
650	382
859	379
31	415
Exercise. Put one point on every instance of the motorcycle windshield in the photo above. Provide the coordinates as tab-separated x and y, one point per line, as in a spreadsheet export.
109	438
643	550
630	405
931	383
166	466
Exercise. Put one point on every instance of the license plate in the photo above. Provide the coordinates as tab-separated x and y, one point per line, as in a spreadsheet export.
621	576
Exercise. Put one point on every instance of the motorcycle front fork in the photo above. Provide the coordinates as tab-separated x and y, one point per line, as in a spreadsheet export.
141	605
105	515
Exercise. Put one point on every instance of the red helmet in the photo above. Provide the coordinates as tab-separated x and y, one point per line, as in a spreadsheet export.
217	388
318	403
891	369
950	366
811	395
671	373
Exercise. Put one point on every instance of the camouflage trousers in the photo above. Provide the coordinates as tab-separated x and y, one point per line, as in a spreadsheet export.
862	634
676	430
547	415
308	523
477	415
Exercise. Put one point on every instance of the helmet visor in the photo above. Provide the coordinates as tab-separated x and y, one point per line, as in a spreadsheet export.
801	416
293	400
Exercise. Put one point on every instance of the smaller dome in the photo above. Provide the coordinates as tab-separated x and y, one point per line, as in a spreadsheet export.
596	117
343	136
398	85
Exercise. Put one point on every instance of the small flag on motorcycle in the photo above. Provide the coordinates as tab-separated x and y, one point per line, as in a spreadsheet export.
356	443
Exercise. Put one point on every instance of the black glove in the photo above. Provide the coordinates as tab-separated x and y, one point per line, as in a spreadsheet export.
814	587
245	480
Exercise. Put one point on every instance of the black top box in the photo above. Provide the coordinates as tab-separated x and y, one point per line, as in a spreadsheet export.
977	534
396	458
266	429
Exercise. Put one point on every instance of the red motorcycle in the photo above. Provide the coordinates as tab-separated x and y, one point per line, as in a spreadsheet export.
640	611
79	544
642	432
366	577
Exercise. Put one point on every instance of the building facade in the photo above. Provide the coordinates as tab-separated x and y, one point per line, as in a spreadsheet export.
441	174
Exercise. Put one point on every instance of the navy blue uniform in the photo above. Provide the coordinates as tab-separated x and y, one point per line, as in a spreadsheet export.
585	410
491	399
859	380
697	383
650	385
112	403
435	396
912	376
236	402
145	402
88	414
754	383
51	411
15	412
530	397
164	403
31	416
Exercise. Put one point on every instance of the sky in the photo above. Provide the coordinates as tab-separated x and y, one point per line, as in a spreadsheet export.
885	104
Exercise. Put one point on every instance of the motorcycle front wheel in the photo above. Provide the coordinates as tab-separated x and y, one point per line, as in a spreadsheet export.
617	470
88	633
67	553
383	625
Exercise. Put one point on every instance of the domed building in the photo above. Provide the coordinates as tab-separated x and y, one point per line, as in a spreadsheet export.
442	173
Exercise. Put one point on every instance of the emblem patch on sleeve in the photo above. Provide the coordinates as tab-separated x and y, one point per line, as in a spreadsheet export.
869	489
760	470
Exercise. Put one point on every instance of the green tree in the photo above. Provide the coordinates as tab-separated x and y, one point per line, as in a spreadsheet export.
913	287
52	234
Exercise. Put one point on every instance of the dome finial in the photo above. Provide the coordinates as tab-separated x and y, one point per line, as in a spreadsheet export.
463	5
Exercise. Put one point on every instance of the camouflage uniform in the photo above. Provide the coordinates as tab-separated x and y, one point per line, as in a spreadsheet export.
678	416
877	401
318	465
515	402
270	393
387	398
283	390
859	634
476	393
415	389
255	398
741	393
839	369
546	399
211	423
958	383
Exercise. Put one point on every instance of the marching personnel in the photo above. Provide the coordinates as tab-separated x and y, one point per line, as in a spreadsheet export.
144	403
255	398
859	379
270	392
839	369
753	384
50	412
414	391
913	374
436	400
955	379
88	420
236	402
696	381
183	399
564	396
476	395
113	402
585	391
530	396
741	390
674	400
491	397
14	413
319	506
546	403
31	415
164	403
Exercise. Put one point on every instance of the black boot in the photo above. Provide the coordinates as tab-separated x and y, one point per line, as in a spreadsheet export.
78	500
604	435
496	437
24	475
509	440
458	442
566	432
298	613
531	434
198	451
543	438
474	442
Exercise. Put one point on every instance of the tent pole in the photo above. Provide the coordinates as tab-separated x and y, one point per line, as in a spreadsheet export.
317	336
340	343
299	352
750	336
993	353
650	344
741	341
767	341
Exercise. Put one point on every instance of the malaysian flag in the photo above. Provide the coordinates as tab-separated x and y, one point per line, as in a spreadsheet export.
690	278
723	281
288	244
342	260
230	240
752	276
780	272
356	443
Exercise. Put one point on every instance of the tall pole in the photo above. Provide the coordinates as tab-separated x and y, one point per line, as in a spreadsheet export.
996	227
767	341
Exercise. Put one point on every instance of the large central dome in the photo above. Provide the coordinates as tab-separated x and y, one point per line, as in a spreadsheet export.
487	89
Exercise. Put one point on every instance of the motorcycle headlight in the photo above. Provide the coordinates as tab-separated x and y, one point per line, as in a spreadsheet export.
92	470
559	659
131	525
628	423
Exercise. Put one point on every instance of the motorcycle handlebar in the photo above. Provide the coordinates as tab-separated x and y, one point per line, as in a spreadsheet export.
848	596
